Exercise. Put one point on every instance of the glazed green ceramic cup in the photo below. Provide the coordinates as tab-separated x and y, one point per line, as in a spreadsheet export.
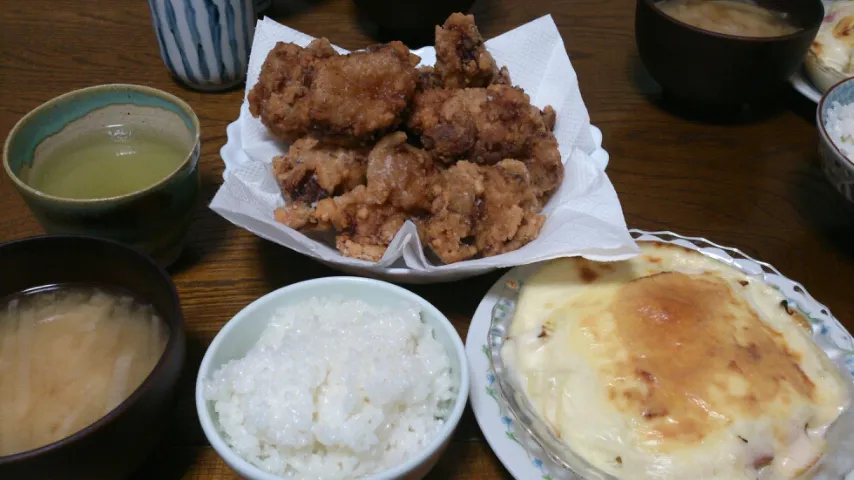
155	219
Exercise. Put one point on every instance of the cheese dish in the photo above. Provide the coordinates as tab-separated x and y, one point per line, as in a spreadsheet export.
829	59
673	365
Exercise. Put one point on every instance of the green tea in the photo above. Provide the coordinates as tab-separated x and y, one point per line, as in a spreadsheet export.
107	163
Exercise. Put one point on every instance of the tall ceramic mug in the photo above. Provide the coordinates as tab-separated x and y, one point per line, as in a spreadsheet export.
205	43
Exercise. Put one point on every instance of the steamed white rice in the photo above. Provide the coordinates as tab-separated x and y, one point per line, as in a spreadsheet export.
839	123
335	389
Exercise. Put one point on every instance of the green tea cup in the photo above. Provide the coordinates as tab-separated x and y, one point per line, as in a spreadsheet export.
154	218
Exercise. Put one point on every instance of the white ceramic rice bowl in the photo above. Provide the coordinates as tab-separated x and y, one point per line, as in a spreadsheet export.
241	333
837	167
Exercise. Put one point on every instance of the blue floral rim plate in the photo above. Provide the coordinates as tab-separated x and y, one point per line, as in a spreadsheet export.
514	444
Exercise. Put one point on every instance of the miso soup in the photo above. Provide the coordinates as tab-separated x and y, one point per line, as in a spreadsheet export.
731	17
68	356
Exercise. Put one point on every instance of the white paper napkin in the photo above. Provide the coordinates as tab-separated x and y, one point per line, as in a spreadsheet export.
584	217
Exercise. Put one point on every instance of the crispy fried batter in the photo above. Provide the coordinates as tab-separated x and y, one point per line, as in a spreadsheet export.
281	97
487	125
462	60
427	79
484	125
311	171
508	214
444	120
298	216
396	177
484	210
449	229
549	117
399	174
347	99
367	227
545	165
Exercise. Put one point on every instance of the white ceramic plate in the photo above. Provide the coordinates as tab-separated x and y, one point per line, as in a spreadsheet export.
801	81
802	84
519	454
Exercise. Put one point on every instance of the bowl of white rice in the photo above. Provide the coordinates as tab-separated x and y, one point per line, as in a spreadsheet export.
835	120
333	378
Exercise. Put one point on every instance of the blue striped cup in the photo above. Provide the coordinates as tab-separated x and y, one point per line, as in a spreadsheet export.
205	43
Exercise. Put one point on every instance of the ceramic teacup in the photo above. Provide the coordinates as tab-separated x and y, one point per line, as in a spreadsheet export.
155	219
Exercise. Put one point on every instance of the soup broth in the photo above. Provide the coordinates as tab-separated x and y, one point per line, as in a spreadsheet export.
68	356
730	17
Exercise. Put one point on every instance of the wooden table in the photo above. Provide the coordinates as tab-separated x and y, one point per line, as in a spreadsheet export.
755	185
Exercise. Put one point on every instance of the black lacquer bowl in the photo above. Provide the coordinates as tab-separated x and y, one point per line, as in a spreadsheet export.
704	68
117	444
411	21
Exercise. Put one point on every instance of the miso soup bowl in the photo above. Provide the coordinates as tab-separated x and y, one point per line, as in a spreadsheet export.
155	219
704	68
414	21
117	444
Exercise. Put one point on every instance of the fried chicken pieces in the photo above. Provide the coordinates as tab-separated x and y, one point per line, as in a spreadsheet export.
310	172
397	186
462	60
348	99
484	210
487	125
375	196
473	175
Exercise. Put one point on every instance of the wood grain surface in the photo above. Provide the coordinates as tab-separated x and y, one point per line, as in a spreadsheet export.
755	184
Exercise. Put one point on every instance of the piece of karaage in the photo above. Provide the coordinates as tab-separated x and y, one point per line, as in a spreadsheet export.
281	97
484	125
481	210
365	227
487	125
400	174
312	171
462	60
347	99
448	229
365	196
509	214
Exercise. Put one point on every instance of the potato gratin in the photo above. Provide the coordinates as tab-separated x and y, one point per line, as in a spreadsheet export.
673	365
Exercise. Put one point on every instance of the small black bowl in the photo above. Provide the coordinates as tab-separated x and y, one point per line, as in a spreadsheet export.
704	68
116	445
411	21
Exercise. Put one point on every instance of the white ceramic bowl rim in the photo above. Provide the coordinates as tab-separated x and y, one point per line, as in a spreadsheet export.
218	443
820	120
